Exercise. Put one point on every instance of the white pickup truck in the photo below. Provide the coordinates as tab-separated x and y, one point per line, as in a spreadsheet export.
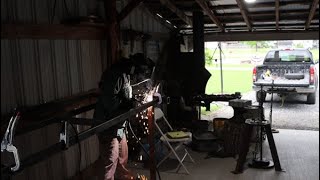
292	71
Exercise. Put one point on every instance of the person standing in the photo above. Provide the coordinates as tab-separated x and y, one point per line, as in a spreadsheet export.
115	99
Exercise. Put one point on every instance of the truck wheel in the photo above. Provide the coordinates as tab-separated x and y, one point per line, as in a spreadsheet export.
311	98
261	95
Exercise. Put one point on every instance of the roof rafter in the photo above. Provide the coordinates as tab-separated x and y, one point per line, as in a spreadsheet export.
209	12
312	12
277	14
244	14
126	10
177	11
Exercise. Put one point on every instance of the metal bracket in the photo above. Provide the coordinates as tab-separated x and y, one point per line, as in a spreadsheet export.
64	135
168	100
159	97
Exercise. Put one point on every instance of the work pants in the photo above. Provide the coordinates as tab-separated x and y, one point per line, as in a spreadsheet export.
114	153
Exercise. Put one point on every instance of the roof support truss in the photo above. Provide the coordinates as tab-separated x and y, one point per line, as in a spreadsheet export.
277	14
177	11
126	10
244	14
203	4
312	12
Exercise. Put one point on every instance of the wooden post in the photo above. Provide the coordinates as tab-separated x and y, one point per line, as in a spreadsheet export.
150	114
113	36
198	38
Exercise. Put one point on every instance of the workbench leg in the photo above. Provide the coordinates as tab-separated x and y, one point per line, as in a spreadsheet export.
245	144
273	148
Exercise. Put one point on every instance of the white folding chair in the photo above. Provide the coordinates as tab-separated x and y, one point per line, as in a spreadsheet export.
178	143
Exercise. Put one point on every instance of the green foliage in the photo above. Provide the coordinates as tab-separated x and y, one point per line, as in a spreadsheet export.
299	45
256	44
208	56
252	44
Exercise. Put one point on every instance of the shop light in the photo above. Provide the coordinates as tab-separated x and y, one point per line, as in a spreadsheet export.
250	1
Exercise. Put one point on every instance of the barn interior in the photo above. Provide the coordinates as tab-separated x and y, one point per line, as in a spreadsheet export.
54	52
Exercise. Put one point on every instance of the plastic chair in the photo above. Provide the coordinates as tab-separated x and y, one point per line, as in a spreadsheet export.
178	143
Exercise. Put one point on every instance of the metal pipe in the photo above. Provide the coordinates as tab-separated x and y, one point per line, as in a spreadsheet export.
58	147
221	74
150	114
47	121
271	104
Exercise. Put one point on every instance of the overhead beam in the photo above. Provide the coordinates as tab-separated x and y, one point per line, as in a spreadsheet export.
126	10
244	14
262	36
203	4
277	14
177	11
53	31
253	5
259	19
256	26
312	12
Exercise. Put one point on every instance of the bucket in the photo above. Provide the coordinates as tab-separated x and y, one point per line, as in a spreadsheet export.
218	125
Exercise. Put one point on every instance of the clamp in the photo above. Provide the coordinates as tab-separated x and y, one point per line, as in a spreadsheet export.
7	141
64	135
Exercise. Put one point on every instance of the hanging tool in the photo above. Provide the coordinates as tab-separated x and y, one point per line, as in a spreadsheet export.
7	141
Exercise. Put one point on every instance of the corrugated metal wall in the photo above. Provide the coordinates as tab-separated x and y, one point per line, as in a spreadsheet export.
38	71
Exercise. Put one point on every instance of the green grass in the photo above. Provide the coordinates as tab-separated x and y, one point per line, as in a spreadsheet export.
213	108
233	53
233	81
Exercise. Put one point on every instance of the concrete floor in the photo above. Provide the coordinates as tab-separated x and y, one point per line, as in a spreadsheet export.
298	152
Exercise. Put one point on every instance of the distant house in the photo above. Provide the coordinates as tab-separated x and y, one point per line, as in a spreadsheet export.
235	44
284	44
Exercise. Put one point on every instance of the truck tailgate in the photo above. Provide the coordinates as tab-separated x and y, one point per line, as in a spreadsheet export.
284	75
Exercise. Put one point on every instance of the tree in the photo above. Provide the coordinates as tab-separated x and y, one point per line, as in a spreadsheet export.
208	56
299	45
256	44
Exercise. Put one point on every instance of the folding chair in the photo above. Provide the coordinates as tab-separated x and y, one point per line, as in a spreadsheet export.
178	143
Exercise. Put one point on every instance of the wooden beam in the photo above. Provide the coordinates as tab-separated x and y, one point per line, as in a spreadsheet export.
294	24
52	31
244	14
177	11
277	14
262	36
252	5
259	19
113	37
126	10
203	4
312	12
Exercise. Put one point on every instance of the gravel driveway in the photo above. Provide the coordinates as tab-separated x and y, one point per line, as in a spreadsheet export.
294	114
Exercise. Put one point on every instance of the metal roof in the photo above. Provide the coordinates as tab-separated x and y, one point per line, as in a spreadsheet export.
231	14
